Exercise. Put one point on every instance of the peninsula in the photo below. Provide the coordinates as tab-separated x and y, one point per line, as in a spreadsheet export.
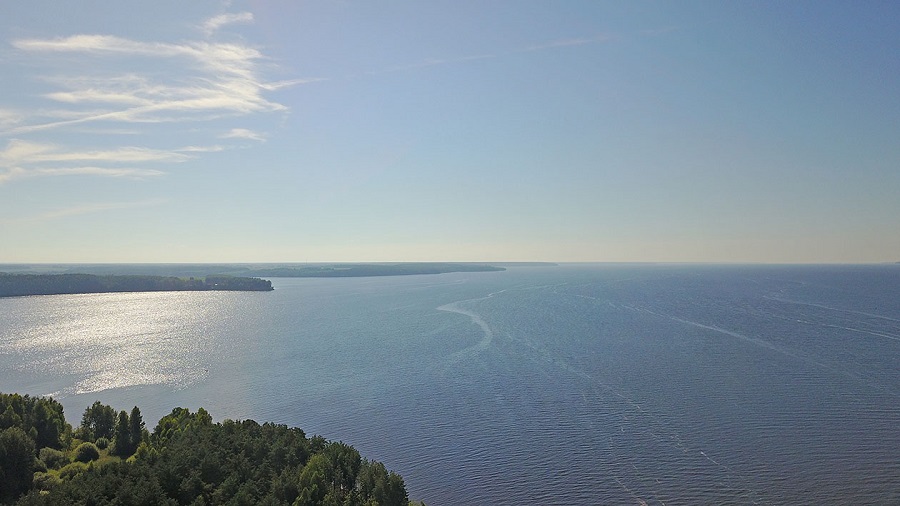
266	270
14	285
55	279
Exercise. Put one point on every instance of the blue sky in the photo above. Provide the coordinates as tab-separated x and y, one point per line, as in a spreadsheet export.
214	131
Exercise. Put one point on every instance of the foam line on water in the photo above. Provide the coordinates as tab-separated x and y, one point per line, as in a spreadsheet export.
487	333
871	315
764	344
753	340
840	327
630	492
861	331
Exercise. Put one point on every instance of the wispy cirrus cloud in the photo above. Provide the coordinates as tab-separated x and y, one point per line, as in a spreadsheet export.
23	159
97	207
9	118
243	133
212	24
193	80
123	85
213	148
204	80
277	85
98	171
18	151
14	173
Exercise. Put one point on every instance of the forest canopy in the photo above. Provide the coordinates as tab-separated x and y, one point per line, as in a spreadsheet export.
112	458
369	270
12	285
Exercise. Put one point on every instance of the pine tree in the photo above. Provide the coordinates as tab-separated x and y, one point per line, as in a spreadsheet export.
16	463
122	446
136	429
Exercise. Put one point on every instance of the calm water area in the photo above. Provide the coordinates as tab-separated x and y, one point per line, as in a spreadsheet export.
576	384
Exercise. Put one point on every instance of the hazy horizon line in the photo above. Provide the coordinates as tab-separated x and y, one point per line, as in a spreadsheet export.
568	262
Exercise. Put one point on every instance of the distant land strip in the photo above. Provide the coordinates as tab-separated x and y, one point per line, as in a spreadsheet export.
281	269
366	270
17	285
57	279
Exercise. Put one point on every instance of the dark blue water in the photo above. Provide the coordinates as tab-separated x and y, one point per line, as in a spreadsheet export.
563	385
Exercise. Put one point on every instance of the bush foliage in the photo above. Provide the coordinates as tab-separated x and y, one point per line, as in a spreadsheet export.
53	459
86	452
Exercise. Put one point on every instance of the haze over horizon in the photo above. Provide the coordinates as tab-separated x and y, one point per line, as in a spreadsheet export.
341	131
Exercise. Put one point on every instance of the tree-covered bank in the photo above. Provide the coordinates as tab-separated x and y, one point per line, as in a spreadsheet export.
12	285
112	458
371	270
284	270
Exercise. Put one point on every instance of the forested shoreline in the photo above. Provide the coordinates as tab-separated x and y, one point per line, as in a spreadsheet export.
289	269
112	458
13	285
371	270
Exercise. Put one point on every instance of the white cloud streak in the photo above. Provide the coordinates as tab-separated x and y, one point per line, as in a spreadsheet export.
99	171
127	84
9	118
18	151
208	80
277	85
213	24
15	173
202	149
243	133
23	159
86	209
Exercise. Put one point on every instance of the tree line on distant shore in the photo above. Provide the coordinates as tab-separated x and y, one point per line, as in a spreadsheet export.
12	285
371	270
111	458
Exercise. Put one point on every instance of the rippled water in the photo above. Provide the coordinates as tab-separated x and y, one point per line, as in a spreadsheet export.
565	385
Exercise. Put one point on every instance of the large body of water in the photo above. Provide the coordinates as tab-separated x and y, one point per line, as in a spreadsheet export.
603	384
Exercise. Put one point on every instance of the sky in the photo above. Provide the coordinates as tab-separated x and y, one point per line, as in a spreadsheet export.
459	130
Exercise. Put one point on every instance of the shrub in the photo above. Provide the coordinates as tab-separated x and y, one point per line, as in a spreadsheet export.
73	469
53	459
44	481
86	452
39	466
102	443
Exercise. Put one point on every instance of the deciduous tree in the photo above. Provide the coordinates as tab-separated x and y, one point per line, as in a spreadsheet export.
98	421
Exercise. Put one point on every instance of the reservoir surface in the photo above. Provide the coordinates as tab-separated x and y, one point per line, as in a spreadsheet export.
576	384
